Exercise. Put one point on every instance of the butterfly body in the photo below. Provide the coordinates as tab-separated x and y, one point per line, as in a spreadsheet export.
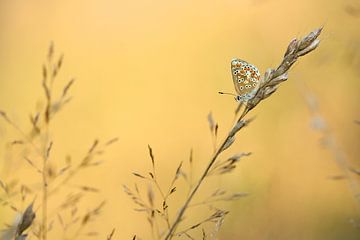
246	78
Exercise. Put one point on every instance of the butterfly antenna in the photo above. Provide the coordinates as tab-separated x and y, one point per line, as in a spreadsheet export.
227	93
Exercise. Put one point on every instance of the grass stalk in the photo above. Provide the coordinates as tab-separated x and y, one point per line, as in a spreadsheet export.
269	84
203	176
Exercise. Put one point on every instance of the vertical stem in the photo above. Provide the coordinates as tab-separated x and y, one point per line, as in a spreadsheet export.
48	96
44	199
45	184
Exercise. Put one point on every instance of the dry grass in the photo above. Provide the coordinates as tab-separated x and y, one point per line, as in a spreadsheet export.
38	145
269	84
348	171
68	215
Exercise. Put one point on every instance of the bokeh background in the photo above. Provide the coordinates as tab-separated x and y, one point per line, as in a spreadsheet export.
148	72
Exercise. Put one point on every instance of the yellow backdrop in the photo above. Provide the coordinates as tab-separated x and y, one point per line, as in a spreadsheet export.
148	72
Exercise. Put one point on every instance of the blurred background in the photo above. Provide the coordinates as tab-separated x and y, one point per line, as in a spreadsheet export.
148	72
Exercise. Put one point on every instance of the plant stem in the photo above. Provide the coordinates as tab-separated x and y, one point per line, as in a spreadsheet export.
46	156
45	185
44	200
171	231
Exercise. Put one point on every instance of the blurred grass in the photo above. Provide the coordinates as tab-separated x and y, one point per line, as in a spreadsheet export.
150	72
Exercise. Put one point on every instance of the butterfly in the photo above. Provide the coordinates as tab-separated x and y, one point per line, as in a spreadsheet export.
246	78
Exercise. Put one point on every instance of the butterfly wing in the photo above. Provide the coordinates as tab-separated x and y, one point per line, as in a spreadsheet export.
246	78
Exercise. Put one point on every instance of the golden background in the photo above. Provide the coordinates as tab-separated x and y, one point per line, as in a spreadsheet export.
148	72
